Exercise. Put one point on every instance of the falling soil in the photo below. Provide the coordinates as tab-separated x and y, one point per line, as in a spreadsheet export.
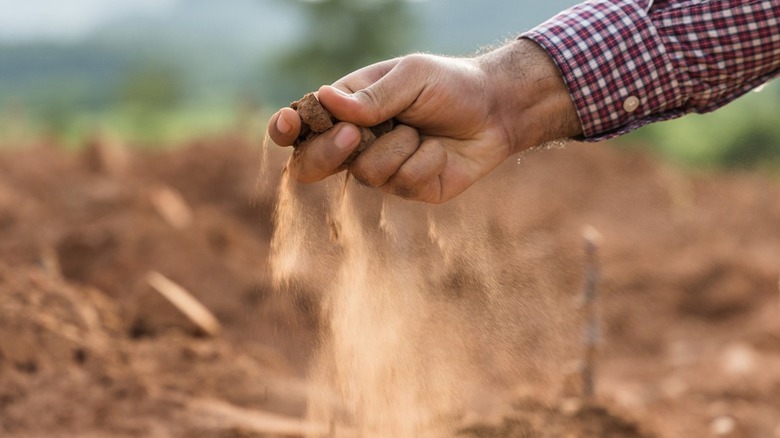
458	320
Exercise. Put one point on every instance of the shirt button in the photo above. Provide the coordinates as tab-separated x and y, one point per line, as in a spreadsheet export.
631	104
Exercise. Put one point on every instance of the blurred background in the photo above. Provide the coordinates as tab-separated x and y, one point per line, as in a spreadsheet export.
162	71
130	139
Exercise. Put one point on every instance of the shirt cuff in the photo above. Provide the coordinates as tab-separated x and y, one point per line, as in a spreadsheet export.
618	71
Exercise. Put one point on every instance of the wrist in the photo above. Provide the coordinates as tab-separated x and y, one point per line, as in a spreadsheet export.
529	96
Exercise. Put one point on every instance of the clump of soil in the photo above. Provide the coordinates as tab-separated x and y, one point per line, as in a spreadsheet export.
315	120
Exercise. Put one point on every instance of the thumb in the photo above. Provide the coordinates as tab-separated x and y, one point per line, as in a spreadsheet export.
384	99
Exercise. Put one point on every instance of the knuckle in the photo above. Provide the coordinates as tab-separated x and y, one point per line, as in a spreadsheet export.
361	183
399	151
407	134
407	177
428	193
419	66
369	95
415	60
374	101
365	172
401	142
404	191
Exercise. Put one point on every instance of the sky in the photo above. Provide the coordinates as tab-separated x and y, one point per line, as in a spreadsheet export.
22	20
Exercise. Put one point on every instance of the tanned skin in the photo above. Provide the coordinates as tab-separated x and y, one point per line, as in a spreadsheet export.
459	119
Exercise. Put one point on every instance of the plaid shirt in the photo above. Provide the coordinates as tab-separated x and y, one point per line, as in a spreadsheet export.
628	63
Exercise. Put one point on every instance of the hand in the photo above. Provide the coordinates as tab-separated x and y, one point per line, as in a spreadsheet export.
459	119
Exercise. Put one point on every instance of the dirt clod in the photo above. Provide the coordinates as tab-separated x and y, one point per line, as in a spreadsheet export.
315	120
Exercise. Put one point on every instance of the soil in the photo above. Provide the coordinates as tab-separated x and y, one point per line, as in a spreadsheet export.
689	267
315	120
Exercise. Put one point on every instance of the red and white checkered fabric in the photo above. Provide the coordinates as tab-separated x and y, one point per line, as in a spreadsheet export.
628	63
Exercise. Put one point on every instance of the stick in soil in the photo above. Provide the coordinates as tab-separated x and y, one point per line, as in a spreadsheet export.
590	297
315	120
189	306
252	422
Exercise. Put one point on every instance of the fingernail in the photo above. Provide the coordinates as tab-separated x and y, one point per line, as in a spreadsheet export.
282	125
346	137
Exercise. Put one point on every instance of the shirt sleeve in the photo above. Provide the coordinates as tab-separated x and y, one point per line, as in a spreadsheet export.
628	63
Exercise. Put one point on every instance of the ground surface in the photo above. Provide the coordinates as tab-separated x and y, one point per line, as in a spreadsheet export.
689	295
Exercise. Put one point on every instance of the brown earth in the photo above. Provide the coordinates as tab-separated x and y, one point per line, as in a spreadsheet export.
315	120
689	295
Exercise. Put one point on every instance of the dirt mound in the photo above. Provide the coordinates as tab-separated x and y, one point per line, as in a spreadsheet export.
689	283
534	419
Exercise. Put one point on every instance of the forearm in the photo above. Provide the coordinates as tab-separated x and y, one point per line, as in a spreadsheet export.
627	63
529	94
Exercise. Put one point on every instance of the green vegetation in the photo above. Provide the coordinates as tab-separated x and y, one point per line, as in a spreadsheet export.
126	122
340	36
745	133
151	90
68	92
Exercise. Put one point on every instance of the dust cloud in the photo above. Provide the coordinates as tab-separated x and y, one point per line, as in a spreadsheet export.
430	315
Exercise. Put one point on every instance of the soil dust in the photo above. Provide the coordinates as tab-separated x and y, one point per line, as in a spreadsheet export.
431	315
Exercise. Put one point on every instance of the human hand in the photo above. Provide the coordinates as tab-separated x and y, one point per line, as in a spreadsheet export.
459	118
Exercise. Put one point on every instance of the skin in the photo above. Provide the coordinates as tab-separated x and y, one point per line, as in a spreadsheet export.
459	119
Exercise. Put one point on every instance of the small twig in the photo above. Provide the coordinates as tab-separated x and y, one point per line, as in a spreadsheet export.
185	303
171	206
253	420
590	297
51	262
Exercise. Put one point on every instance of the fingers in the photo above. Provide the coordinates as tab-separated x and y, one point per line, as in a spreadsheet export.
324	155
373	95
397	163
419	178
377	164
284	127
